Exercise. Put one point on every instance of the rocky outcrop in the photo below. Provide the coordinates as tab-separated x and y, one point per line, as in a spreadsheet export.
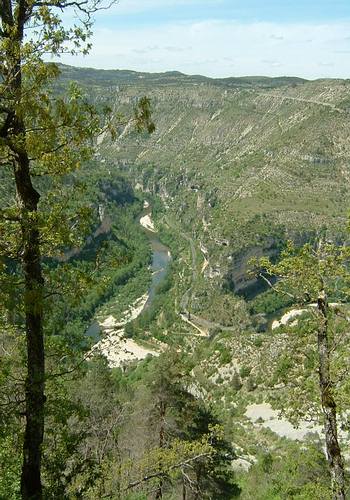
238	278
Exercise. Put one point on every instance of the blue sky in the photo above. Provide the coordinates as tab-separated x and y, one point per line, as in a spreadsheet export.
220	38
142	12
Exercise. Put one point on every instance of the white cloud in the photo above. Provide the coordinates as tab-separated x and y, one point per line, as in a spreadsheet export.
276	37
225	48
272	64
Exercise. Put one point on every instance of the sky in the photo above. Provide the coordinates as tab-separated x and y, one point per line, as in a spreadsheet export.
221	38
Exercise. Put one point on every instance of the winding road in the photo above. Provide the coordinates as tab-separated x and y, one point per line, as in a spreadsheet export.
201	324
301	99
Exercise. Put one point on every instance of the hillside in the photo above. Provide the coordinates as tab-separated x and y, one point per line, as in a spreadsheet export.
110	78
241	167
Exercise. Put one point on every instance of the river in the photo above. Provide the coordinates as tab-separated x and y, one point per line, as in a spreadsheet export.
161	258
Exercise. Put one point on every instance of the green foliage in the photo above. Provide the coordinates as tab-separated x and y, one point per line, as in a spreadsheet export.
269	302
305	270
143	116
294	473
304	274
10	463
236	382
258	341
308	360
93	453
56	239
225	356
244	372
193	423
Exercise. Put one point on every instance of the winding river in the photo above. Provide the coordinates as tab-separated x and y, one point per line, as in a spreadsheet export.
161	258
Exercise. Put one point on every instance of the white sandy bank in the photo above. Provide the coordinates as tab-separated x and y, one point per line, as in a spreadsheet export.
294	313
282	427
114	346
147	223
120	351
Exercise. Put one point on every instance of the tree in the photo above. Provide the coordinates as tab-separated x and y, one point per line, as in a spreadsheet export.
292	472
309	276
43	135
184	446
79	449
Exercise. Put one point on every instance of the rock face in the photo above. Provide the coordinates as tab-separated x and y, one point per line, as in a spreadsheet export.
248	154
238	277
147	223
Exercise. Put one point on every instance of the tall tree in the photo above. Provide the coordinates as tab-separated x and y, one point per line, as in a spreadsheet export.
43	134
320	347
176	419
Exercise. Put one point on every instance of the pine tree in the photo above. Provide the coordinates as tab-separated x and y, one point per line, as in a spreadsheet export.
175	415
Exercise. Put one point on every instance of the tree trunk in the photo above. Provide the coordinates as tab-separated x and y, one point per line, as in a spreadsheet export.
184	492
14	134
33	306
34	387
328	404
162	413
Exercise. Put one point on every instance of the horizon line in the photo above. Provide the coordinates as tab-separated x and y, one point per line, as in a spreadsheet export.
199	74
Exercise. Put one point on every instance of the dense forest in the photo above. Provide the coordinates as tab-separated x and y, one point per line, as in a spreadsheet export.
174	315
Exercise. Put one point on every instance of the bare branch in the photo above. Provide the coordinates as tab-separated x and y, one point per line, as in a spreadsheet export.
164	474
272	286
85	6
